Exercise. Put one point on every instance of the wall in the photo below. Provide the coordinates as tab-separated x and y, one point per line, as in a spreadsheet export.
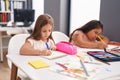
110	17
58	9
38	5
83	11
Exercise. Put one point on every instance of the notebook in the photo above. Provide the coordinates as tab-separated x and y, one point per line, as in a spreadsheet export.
38	64
55	54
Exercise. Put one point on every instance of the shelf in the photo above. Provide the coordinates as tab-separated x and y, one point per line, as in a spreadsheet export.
17	0
3	22
5	11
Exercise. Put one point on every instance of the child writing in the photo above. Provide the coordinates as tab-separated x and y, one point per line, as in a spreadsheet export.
89	36
40	42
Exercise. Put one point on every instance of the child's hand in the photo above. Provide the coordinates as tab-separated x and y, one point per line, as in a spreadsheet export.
53	48
46	52
101	45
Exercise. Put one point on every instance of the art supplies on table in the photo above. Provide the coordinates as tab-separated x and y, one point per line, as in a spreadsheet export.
114	43
67	47
114	50
55	54
113	47
75	69
37	64
104	56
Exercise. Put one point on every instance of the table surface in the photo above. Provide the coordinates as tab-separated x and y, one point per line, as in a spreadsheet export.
108	72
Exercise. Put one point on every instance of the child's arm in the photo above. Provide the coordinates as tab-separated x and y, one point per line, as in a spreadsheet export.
27	49
81	41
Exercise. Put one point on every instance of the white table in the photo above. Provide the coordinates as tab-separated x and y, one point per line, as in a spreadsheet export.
108	72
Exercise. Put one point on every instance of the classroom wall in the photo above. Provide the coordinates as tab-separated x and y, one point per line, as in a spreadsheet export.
83	11
110	17
58	9
38	6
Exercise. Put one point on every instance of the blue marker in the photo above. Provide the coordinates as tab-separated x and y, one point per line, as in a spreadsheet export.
47	46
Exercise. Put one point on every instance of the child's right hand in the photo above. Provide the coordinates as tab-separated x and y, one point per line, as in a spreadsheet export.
46	52
101	45
53	48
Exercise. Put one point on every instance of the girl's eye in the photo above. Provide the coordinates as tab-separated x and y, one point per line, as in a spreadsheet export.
44	31
96	33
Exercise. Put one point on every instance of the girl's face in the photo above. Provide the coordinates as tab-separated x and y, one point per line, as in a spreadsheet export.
92	35
45	32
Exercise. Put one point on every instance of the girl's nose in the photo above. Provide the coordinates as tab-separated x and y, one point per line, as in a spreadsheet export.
96	36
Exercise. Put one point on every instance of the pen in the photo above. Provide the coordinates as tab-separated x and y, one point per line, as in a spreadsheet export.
63	66
84	68
47	46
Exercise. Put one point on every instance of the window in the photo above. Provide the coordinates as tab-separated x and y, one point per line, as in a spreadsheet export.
83	11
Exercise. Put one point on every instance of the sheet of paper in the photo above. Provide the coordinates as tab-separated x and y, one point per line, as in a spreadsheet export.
75	69
55	54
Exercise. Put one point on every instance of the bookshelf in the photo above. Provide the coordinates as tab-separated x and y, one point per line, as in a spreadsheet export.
7	16
7	7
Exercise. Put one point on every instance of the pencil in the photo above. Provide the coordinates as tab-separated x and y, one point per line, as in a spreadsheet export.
101	39
62	65
102	42
84	68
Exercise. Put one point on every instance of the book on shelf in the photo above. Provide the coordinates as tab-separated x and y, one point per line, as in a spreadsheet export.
6	5
5	17
2	5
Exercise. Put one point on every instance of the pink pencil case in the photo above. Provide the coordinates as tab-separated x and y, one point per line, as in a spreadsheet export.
66	47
